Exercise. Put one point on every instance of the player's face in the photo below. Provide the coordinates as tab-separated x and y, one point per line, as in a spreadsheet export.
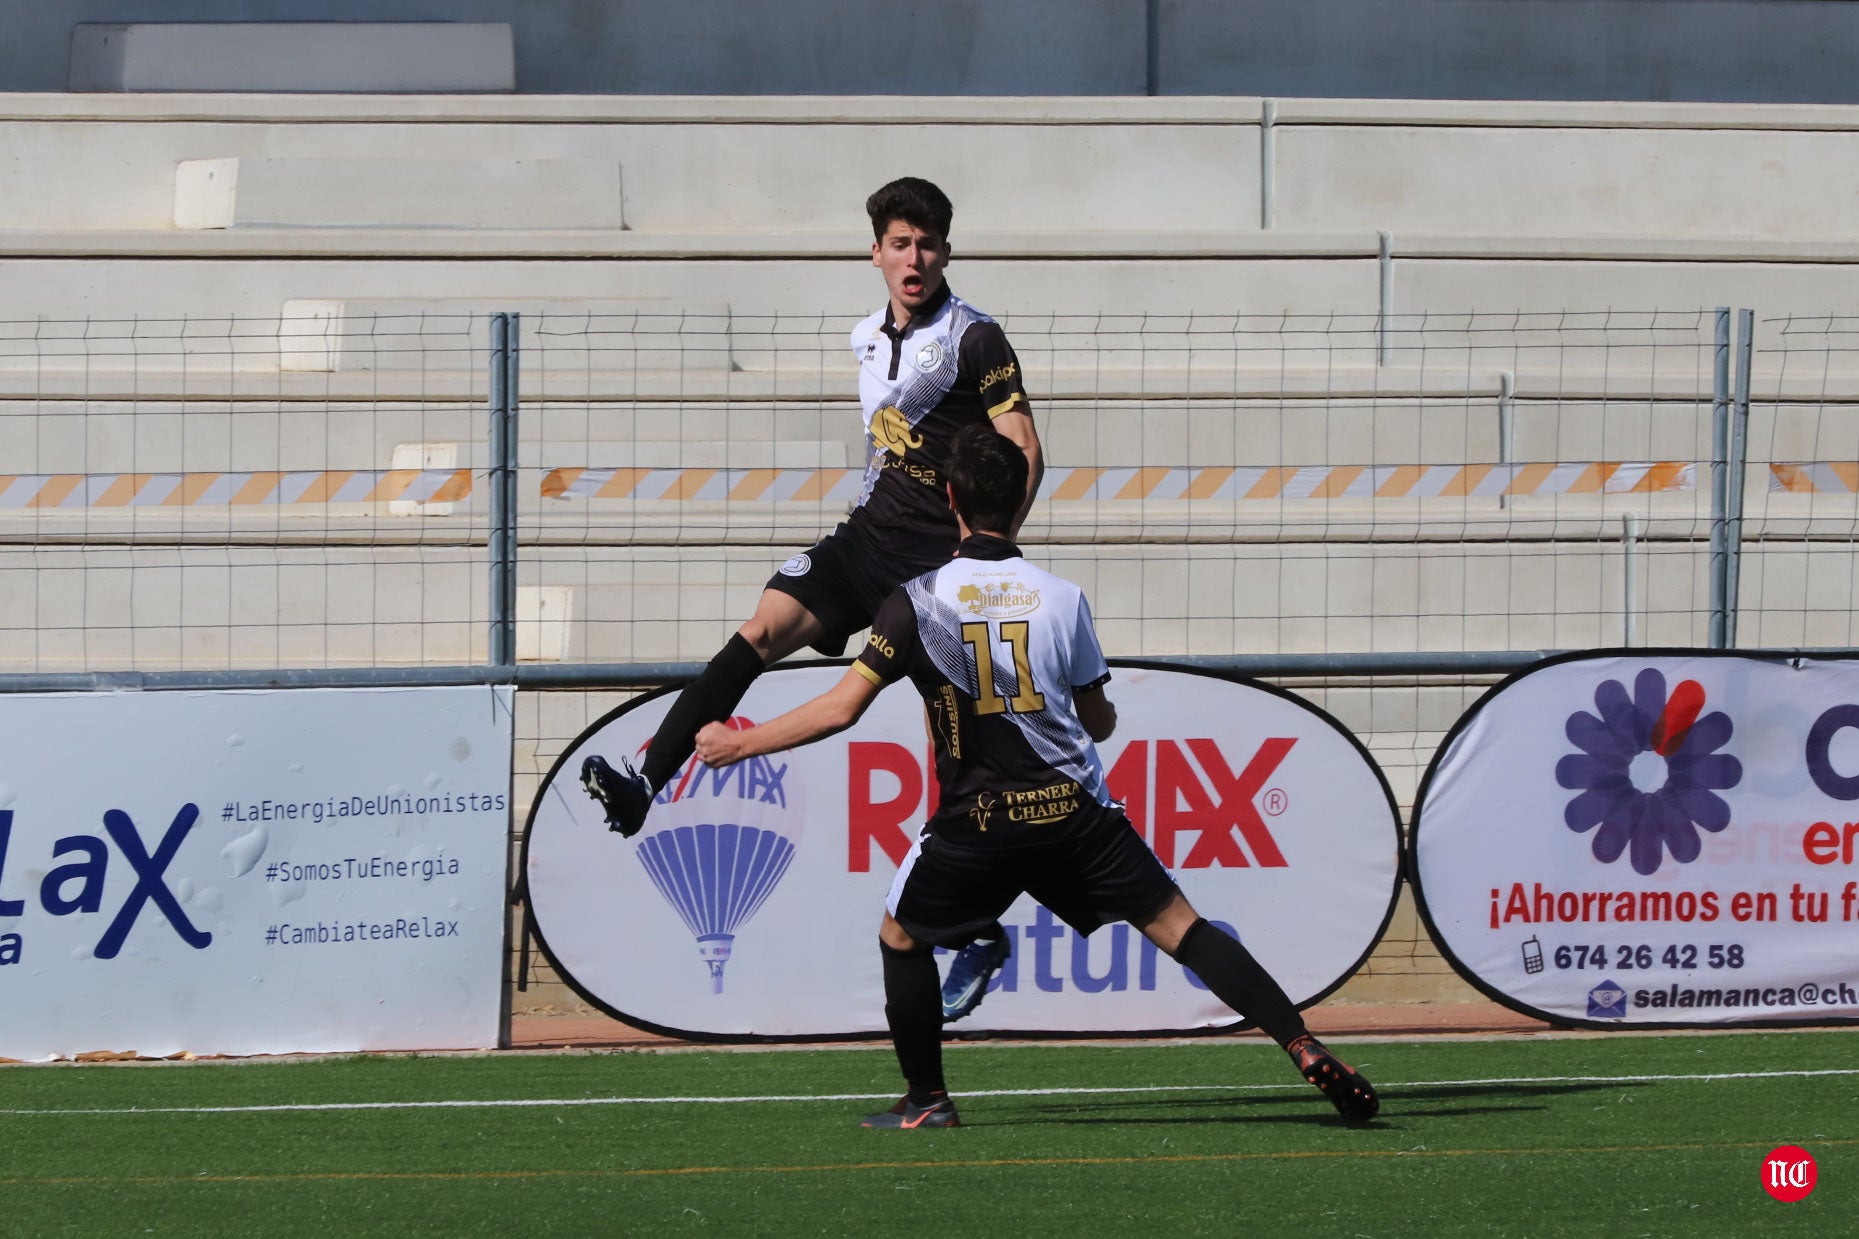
912	261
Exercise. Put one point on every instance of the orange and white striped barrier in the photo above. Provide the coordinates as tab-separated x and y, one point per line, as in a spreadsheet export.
188	490
842	485
1157	482
1821	477
1371	481
778	485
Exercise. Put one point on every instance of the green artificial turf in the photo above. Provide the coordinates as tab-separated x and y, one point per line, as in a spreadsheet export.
1533	1137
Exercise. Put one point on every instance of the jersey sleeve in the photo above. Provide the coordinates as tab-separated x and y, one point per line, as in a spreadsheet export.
886	656
1088	668
990	361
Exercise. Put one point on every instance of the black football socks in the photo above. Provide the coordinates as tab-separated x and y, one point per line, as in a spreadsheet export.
707	699
1227	968
913	1010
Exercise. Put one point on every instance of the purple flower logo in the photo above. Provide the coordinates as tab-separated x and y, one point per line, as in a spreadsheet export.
1648	771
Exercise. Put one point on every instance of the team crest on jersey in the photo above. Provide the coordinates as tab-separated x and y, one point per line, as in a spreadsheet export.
929	356
800	565
998	599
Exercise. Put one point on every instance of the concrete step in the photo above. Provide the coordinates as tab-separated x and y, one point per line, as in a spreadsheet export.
1391	431
530	194
278	605
809	304
321	335
1107	165
194	369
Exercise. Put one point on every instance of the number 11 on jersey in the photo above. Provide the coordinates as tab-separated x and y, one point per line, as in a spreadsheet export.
980	642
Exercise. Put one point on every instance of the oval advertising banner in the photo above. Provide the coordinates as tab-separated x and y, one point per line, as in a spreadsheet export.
748	906
1654	838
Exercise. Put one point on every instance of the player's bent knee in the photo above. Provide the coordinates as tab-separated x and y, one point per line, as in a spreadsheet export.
1168	928
1179	952
895	939
779	626
913	951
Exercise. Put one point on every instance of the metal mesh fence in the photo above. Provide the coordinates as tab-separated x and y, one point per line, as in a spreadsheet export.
1800	524
315	492
1235	486
309	491
192	495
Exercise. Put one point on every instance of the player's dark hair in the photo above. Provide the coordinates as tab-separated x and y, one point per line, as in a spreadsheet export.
915	201
987	471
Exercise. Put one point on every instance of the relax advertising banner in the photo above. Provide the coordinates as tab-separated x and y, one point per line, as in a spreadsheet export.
252	872
1655	838
748	906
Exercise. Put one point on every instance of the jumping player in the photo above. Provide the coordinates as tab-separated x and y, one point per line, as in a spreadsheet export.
1006	657
929	365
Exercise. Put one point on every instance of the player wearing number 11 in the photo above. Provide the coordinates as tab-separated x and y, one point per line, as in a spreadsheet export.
1006	658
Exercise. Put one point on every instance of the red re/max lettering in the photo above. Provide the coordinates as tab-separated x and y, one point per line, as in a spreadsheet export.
1166	798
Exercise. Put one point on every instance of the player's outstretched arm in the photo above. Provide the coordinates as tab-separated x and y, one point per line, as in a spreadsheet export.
832	711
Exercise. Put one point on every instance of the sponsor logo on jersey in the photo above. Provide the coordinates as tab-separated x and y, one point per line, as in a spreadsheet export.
922	474
999	374
1037	805
1003	599
892	431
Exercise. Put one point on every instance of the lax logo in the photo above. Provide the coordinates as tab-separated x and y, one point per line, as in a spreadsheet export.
77	885
1789	1173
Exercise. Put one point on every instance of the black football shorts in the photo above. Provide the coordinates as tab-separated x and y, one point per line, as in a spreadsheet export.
1089	873
843	578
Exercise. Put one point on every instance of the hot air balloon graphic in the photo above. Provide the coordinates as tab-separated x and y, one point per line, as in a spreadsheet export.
716	874
729	835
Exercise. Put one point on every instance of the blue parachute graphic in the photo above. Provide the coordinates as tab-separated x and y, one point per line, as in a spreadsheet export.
716	876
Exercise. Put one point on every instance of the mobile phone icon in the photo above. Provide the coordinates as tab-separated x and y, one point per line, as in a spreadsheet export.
1532	954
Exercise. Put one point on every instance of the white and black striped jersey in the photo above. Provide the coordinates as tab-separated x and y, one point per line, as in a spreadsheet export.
997	646
950	367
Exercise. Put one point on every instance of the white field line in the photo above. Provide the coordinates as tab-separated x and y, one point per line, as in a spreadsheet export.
510	1102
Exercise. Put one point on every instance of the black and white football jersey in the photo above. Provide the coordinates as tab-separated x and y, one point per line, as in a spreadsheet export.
997	646
950	367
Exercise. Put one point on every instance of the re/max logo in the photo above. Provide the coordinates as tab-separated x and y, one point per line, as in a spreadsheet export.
77	885
1172	790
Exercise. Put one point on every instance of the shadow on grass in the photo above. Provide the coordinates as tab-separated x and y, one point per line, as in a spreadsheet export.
1291	1107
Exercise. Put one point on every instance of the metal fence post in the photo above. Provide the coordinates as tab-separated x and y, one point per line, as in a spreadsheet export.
1720	470
502	476
1507	422
1384	265
1630	579
1739	463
